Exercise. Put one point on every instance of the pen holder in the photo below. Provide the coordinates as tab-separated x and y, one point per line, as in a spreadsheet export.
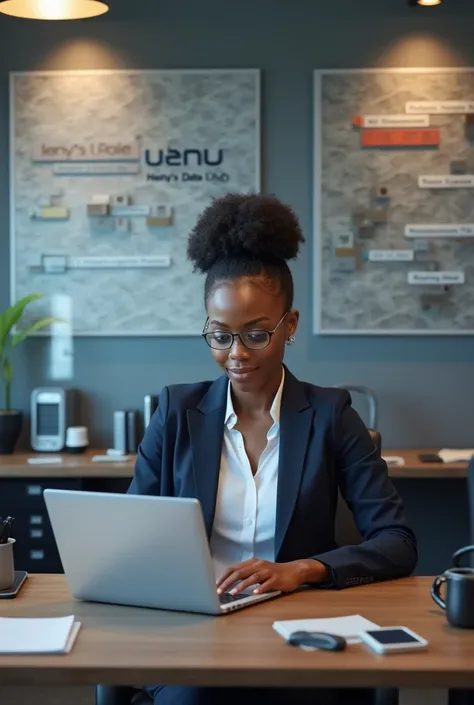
7	565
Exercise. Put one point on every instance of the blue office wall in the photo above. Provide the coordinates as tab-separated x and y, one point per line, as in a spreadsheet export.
425	386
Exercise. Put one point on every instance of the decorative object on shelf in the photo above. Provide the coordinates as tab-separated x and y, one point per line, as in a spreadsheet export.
11	419
120	431
53	410
150	404
77	439
53	10
132	431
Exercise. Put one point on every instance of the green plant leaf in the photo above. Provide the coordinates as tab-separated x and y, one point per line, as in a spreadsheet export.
22	334
12	315
7	370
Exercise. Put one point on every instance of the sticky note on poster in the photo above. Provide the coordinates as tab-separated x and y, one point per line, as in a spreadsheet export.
390	255
446	181
402	120
400	138
440	107
436	278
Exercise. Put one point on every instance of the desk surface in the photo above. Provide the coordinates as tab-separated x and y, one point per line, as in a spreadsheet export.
126	645
16	465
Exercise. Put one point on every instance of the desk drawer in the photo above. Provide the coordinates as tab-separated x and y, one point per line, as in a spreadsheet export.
29	491
37	553
35	547
38	560
34	529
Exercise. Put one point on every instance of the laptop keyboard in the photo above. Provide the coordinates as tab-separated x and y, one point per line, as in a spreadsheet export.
226	597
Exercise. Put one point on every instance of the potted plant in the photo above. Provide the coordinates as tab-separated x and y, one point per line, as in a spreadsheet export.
10	419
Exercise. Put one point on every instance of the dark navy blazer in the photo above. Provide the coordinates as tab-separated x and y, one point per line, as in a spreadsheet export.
324	446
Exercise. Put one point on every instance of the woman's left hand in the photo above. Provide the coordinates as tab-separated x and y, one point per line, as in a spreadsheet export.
286	577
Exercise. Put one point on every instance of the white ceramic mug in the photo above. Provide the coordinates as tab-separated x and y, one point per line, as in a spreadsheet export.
7	565
77	438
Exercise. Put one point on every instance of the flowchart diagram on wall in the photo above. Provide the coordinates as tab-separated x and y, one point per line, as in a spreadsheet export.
109	171
394	201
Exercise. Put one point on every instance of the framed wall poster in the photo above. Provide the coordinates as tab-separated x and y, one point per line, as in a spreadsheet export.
109	171
393	201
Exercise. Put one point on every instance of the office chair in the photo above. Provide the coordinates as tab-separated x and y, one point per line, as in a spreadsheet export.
371	399
347	533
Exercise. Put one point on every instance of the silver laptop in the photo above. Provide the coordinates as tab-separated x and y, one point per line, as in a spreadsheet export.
138	550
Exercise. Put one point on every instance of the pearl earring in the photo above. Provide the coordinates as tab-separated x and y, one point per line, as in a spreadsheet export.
290	340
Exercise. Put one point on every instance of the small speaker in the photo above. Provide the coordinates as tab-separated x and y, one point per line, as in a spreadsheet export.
150	404
53	409
132	432
120	431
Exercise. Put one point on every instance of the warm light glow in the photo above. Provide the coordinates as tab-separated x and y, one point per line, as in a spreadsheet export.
53	9
420	48
429	3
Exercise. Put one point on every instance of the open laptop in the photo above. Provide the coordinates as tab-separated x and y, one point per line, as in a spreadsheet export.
138	550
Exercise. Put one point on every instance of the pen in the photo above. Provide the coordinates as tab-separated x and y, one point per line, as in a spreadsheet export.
5	528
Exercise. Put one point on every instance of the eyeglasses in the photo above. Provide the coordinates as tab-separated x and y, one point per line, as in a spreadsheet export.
252	339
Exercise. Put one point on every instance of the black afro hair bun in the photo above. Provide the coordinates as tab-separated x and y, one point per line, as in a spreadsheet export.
243	226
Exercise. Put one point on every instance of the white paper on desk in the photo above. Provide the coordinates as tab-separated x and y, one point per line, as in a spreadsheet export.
449	455
394	459
349	627
38	635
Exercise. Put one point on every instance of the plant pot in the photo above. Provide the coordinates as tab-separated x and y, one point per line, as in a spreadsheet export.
10	429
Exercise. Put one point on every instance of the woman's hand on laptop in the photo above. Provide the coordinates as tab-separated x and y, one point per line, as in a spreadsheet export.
268	576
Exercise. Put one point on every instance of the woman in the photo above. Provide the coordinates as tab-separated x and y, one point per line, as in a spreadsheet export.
263	452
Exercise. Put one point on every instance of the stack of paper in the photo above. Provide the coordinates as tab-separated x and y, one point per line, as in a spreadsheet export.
349	627
394	459
55	635
449	455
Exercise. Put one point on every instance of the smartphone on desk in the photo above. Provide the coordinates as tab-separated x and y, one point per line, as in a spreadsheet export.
429	458
390	640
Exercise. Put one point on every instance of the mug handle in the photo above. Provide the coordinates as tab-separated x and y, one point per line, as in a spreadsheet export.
435	591
460	553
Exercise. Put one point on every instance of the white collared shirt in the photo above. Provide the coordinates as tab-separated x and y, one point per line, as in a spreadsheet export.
244	521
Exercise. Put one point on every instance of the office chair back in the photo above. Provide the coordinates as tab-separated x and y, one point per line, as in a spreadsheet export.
347	533
370	398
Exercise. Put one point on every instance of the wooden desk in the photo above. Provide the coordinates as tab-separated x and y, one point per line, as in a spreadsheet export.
16	465
415	469
123	645
79	466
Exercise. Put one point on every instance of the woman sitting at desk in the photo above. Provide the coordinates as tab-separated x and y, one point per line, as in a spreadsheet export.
263	452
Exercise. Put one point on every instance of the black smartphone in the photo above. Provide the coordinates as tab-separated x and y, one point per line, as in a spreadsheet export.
429	458
13	590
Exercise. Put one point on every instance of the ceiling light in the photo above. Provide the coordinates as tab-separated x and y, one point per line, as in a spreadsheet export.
425	3
53	9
